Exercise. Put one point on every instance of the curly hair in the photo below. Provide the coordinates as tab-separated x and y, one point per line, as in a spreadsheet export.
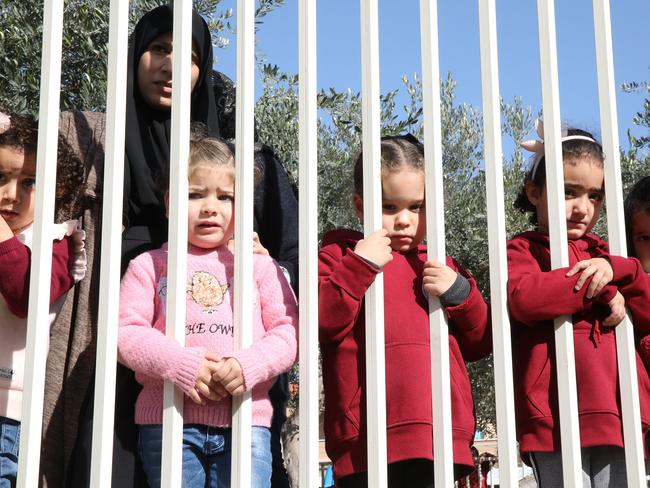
22	135
572	150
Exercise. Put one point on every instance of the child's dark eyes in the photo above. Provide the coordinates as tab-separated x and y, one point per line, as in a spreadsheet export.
388	207
194	195
643	238
417	208
227	198
596	197
29	183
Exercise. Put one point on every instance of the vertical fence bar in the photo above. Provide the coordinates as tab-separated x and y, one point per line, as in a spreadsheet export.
308	243
109	286
372	221
507	438
439	335
41	267
244	131
172	454
626	352
565	356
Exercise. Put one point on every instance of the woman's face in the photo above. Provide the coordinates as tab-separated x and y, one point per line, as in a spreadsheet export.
155	72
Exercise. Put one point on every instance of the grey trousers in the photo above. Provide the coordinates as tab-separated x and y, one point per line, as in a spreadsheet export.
602	467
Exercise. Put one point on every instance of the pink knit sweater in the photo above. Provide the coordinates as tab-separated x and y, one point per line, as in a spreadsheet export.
143	347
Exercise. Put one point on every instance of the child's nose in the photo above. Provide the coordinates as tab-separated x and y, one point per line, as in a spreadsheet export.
402	220
9	192
581	206
209	208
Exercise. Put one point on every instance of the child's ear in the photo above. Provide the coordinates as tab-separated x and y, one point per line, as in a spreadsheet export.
534	193
357	201
166	201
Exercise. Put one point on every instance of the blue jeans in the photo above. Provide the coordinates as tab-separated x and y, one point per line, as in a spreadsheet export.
9	441
206	456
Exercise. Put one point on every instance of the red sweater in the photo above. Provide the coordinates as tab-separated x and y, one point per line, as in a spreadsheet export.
536	295
15	262
343	280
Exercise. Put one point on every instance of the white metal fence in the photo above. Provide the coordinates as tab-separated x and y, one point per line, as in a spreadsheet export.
109	288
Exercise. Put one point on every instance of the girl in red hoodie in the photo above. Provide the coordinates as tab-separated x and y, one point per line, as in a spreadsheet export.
594	289
348	264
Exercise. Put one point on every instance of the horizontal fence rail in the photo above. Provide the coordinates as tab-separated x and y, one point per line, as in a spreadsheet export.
108	303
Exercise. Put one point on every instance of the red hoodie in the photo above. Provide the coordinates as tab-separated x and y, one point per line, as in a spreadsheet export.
343	279
536	295
644	344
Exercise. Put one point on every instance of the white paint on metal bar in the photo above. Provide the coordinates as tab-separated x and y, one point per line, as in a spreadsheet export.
439	334
565	357
41	266
308	244
109	286
172	454
626	352
244	132
504	391
372	221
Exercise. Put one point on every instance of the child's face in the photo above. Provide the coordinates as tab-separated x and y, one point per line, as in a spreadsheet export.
17	184
641	237
403	208
583	197
211	204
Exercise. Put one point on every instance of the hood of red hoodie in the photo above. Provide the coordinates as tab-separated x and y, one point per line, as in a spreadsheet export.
341	236
586	243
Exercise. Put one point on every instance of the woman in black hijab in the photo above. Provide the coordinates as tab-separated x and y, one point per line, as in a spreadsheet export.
148	132
148	121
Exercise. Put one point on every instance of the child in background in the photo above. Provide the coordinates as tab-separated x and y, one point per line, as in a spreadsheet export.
206	369
594	290
637	222
348	264
18	142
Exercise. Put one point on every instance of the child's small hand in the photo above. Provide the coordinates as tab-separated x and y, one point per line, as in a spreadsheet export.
203	387
258	248
437	278
375	248
601	271
617	308
229	376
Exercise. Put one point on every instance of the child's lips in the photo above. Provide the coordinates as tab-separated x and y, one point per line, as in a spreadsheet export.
208	225
8	214
576	223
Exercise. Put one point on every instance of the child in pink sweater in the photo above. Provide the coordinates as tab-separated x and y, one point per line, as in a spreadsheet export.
206	368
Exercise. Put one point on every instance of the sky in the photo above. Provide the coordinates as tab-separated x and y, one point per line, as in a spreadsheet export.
519	73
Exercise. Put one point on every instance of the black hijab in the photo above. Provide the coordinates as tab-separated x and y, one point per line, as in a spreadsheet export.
148	130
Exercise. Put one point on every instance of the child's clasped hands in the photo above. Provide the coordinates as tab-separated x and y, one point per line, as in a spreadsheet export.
218	378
